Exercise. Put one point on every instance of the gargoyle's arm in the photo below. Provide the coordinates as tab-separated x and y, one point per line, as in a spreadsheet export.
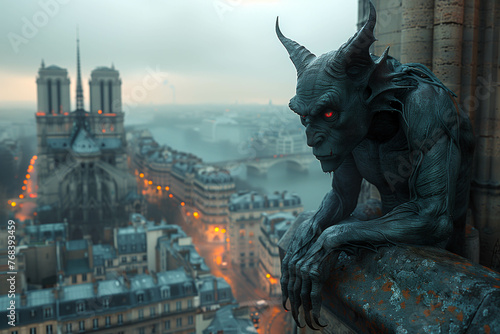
341	201
427	218
336	206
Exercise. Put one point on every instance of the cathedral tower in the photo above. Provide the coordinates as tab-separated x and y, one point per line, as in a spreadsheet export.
53	90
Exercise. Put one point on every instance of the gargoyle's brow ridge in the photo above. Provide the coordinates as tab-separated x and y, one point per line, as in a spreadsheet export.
327	100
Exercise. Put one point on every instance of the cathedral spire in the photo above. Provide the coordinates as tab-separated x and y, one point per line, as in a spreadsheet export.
79	90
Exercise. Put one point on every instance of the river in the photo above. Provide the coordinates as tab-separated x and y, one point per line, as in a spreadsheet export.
311	186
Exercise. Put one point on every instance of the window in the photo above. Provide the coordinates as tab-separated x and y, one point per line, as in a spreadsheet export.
81	325
141	314
120	319
190	320
242	254
152	311
153	329
167	324
105	303
32	330
95	322
48	329
140	297
13	332
110	263
84	277
190	304
141	330
178	322
73	279
144	258
178	306
222	295
99	270
208	298
69	328
165	292
166	307
124	259
33	313
47	312
251	253
108	321
134	258
80	307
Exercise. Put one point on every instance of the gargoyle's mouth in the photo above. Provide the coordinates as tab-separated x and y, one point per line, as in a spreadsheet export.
325	157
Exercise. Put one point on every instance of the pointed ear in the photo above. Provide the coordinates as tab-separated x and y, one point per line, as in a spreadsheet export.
356	51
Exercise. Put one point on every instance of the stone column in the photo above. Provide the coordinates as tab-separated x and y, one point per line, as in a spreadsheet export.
486	179
447	46
417	27
388	27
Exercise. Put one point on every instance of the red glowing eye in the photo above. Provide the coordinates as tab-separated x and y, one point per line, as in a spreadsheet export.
328	114
302	116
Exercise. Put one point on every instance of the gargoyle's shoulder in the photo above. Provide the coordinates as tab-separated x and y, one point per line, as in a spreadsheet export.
429	101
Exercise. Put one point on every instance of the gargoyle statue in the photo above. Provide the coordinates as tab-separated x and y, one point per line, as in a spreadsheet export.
395	125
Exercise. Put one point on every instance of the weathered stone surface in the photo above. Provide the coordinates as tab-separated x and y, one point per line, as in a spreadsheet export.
408	289
412	289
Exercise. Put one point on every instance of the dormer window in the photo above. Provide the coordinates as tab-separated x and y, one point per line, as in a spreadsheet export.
80	307
165	292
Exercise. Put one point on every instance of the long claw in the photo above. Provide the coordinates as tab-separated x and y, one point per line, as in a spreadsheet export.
316	320
297	287
284	282
305	294
289	287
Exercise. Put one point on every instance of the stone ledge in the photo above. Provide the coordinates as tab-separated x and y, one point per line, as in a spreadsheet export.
409	289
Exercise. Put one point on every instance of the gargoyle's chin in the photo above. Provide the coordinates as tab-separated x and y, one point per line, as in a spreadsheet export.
329	165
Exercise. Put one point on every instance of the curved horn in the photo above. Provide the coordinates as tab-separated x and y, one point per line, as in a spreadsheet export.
299	55
357	50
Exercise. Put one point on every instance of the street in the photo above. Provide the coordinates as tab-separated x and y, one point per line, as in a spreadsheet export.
244	284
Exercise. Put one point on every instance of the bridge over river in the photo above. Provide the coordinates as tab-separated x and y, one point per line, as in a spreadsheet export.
260	165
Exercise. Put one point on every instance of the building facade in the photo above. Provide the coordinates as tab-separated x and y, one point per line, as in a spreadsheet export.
245	216
166	302
272	228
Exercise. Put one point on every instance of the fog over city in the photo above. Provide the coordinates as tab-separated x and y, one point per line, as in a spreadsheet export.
208	51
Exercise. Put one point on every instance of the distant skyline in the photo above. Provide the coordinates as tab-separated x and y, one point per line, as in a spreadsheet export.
187	51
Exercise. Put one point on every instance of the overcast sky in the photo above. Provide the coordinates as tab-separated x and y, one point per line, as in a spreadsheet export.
206	51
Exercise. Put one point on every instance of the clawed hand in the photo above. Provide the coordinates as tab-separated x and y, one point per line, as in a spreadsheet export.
305	269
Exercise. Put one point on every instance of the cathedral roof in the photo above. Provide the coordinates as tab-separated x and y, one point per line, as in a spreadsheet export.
84	143
54	67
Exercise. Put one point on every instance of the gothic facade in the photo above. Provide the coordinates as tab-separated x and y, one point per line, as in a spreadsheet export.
82	162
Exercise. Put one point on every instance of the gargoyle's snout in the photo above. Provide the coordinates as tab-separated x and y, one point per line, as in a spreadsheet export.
314	138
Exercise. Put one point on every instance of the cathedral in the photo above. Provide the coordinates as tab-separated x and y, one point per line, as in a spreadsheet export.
82	163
